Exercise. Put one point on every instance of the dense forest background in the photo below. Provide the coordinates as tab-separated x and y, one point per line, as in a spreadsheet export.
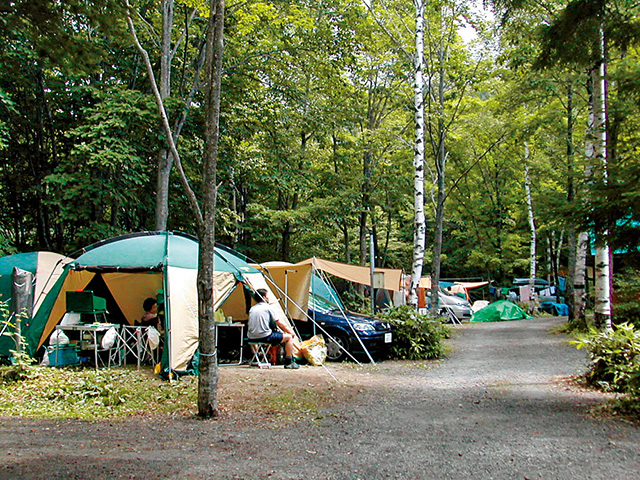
317	128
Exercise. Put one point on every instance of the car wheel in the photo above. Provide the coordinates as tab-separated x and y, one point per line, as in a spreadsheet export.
448	316
334	352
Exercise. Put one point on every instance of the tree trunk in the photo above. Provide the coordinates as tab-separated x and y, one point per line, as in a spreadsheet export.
419	232
38	161
366	204
234	206
556	258
532	228
208	379
572	240
578	241
441	159
165	159
580	280
598	104
347	242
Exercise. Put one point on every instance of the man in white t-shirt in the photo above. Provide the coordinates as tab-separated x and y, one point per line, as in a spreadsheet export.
264	327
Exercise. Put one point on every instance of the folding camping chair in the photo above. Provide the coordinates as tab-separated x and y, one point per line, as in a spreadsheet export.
260	352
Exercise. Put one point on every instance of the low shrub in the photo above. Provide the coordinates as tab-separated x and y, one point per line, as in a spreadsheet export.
614	358
626	308
416	337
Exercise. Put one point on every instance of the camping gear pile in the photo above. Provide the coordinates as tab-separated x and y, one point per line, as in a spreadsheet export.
313	350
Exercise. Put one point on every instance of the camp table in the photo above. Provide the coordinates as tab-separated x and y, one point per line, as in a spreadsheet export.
94	332
232	324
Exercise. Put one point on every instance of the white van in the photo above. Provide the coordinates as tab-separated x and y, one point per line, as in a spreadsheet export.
448	303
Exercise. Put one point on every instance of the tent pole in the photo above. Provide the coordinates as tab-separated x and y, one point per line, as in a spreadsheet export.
286	291
313	270
327	370
167	306
372	262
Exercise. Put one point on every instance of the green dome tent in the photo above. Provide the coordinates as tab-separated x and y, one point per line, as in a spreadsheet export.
127	269
500	311
45	267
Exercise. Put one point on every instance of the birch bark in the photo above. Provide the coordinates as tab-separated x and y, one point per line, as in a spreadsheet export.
419	232
598	113
532	229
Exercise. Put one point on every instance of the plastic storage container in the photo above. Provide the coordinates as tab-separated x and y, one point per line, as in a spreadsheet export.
61	355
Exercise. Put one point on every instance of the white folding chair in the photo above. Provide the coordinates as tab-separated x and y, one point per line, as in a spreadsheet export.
260	354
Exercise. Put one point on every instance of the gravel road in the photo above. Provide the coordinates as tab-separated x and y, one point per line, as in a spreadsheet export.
499	407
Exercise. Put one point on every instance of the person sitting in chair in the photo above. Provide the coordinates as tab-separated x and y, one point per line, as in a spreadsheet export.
263	327
150	317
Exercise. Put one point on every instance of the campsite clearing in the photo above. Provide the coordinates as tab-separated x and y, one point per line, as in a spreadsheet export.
503	405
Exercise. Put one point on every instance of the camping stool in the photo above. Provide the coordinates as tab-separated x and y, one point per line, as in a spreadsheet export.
260	352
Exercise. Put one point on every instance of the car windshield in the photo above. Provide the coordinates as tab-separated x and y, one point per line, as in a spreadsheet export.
322	304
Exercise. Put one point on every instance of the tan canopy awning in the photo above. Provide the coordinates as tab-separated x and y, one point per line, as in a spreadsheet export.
356	273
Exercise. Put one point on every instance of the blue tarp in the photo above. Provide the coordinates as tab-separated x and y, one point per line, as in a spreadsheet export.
559	309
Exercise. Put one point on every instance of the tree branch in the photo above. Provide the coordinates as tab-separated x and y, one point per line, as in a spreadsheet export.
193	201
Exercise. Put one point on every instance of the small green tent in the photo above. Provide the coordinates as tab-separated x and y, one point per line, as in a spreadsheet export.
127	269
500	311
46	268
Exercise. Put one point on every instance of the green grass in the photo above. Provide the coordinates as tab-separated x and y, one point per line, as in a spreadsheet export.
294	403
90	394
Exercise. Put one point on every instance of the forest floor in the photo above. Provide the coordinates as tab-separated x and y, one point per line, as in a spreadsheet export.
503	405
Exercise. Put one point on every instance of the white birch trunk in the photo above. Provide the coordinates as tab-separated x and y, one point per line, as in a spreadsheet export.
603	254
580	277
419	233
532	227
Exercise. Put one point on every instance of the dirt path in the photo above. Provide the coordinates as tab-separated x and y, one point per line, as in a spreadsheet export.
498	408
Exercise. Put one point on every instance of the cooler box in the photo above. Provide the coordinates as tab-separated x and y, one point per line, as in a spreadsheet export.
61	355
85	302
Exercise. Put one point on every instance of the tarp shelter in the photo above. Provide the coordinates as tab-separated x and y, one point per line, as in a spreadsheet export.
127	269
298	280
500	311
452	287
464	287
356	273
46	268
